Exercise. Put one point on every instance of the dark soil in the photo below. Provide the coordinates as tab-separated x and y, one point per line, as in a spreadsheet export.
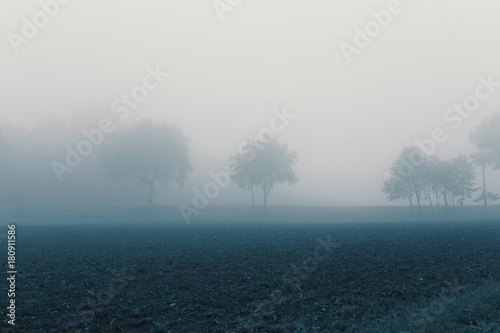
219	278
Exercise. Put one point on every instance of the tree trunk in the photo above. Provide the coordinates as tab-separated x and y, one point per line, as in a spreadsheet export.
485	193
436	194
265	204
462	199
428	191
266	194
417	196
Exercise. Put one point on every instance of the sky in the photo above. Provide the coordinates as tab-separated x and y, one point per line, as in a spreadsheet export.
231	64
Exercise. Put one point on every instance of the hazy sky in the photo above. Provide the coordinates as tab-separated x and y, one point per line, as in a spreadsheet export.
226	77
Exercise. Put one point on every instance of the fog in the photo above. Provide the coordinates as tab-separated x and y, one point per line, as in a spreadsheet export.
352	114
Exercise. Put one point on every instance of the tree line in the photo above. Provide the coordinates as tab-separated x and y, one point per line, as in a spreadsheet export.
155	155
419	178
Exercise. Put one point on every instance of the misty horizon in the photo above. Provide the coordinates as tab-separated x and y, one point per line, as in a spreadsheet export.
225	80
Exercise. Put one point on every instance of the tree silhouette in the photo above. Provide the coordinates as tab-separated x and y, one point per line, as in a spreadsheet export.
150	153
398	188
265	168
245	174
484	159
464	175
414	176
490	197
407	177
486	136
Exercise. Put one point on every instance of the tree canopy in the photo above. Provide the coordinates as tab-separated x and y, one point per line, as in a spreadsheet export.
486	137
150	153
265	168
414	176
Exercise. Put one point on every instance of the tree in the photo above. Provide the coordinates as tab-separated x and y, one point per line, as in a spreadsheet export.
486	136
407	177
245	174
432	177
265	168
443	181
430	180
398	188
150	153
490	197
484	159
452	180
464	175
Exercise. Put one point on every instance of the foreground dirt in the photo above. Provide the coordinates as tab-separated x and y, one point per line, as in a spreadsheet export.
254	277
